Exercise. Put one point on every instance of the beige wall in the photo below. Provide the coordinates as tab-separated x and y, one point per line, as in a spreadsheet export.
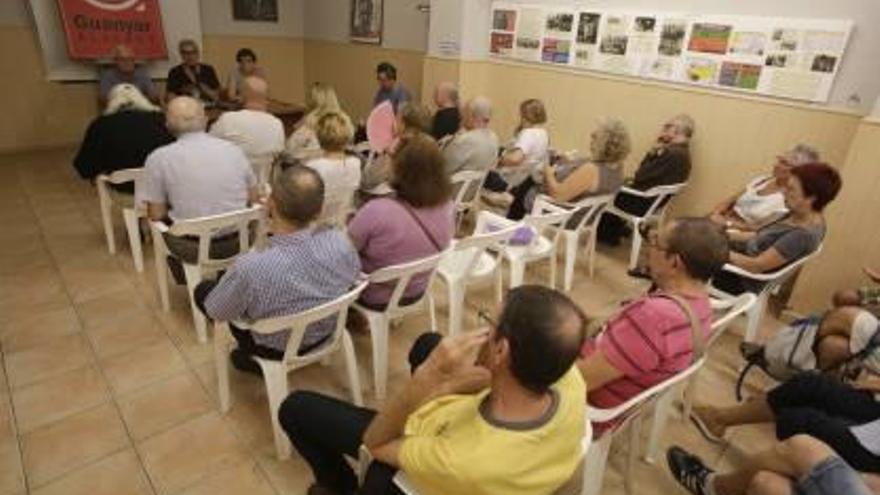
283	59
351	69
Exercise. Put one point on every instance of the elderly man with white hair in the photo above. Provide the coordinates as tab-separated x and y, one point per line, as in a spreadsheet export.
257	132
447	118
475	145
125	70
197	176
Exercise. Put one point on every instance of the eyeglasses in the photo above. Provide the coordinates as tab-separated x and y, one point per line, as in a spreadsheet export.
651	237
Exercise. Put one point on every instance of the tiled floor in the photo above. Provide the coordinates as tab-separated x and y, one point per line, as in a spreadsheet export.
101	392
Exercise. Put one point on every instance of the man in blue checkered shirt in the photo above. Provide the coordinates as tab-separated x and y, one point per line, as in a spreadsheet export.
305	266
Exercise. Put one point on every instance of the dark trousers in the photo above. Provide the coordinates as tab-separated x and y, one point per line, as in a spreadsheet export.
494	182
819	406
518	208
612	228
324	430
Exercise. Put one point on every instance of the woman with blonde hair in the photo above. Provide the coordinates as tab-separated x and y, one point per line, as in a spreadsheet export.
129	130
303	143
341	172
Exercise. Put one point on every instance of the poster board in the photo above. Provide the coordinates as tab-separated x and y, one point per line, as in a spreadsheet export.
779	57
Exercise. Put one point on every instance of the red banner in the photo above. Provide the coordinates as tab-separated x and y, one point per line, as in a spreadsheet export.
94	27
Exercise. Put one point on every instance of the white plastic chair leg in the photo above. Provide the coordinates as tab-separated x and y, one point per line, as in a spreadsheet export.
106	205
193	277
662	409
591	251
552	261
456	306
687	396
499	284
161	262
636	249
594	465
571	240
517	273
754	315
635	437
129	215
379	338
221	364
275	376
432	311
351	368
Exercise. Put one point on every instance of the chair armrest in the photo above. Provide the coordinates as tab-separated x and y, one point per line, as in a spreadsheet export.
634	192
760	277
159	227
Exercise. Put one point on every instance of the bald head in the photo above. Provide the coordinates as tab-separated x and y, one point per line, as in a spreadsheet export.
255	92
184	115
477	113
446	95
297	195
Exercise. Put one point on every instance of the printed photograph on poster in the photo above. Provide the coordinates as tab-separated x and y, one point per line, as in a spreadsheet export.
672	37
502	44
785	40
701	70
254	10
823	63
556	51
560	24
710	38
366	21
583	57
504	20
614	44
778	60
588	28
748	43
823	41
526	47
737	75
644	24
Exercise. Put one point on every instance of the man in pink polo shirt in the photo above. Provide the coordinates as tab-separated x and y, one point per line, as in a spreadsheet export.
650	339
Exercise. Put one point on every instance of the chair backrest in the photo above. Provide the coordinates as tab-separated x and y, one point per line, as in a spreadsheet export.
299	322
588	211
772	280
123	176
466	185
403	273
661	196
205	228
465	252
544	215
732	308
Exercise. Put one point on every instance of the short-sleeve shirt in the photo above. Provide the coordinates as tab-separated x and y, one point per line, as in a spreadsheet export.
385	234
140	78
342	177
648	341
198	175
451	446
259	134
792	242
396	95
534	142
181	85
756	208
445	123
475	150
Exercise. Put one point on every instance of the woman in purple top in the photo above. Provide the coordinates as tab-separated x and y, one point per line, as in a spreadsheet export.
416	222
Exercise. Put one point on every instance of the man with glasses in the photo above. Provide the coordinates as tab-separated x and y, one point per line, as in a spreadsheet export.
191	77
650	339
125	70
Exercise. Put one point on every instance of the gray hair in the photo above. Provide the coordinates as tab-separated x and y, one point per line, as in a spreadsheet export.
802	154
127	96
185	114
298	194
684	124
187	42
450	90
481	108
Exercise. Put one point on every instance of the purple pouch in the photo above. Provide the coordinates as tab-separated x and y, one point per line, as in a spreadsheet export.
521	237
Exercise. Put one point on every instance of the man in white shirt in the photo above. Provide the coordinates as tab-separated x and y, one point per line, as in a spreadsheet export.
475	145
257	132
196	176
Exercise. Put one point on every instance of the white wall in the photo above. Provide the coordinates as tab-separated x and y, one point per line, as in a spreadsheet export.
859	73
405	28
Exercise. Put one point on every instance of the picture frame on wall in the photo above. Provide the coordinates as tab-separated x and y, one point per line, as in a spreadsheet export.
366	21
255	10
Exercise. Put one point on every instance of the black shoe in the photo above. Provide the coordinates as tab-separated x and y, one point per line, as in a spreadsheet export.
243	361
688	470
639	273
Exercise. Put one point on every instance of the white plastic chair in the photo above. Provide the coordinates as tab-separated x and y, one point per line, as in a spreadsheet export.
630	416
661	197
275	372
468	261
204	229
541	246
772	281
591	209
131	215
400	276
467	185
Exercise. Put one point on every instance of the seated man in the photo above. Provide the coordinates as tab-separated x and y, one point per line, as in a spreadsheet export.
256	131
447	118
196	176
191	77
845	417
867	297
801	465
475	145
124	70
303	267
667	162
507	420
651	338
389	88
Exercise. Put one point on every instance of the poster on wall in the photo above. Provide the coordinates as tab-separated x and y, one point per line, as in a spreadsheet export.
530	28
255	10
558	31
94	27
366	21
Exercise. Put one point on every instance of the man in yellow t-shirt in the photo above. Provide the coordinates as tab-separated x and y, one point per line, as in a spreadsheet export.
497	412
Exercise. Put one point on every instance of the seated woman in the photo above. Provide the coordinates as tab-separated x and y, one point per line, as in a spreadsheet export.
810	188
415	222
763	200
247	66
129	130
303	143
601	173
341	173
520	165
412	119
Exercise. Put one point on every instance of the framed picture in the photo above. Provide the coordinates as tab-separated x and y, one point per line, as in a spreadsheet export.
366	21
255	10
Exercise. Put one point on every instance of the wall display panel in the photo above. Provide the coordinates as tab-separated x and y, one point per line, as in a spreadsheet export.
771	56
